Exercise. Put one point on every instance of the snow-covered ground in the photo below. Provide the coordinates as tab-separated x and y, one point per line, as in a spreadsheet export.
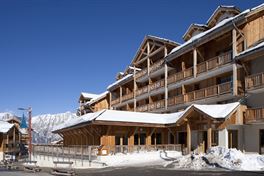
220	157
217	157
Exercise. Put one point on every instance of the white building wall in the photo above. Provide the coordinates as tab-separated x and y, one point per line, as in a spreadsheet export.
223	138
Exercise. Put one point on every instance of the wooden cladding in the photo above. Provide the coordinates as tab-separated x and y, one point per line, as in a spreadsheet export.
142	90
141	73
201	94
187	73
153	68
255	81
116	101
156	66
157	85
152	107
254	115
214	62
128	96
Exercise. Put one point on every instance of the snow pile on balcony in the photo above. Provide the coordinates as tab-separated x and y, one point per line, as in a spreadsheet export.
220	157
142	158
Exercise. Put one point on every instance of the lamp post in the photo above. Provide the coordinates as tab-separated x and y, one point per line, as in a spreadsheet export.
29	110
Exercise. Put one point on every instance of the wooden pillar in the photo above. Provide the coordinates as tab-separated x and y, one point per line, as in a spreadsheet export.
148	60
14	136
189	138
110	100
135	88
195	62
166	79
148	136
209	135
120	94
234	53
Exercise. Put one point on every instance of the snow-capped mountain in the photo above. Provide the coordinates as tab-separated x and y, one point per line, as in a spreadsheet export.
44	124
5	115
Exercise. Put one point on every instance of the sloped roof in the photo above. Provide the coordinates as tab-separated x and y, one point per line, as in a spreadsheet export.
220	111
194	26
88	95
119	81
5	126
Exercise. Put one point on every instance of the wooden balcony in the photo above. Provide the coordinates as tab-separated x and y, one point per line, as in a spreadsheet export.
214	62
157	105
208	92
254	115
116	101
156	85
143	108
127	97
255	81
187	73
176	100
141	73
142	90
156	66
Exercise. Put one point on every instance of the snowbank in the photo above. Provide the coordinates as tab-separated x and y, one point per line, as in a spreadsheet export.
231	159
140	159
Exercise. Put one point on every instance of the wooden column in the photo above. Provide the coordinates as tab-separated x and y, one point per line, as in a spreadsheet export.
120	94
110	100
195	62
234	53
148	60
209	135
166	80
135	88
189	137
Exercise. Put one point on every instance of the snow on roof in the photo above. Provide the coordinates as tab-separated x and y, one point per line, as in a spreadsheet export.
219	7
99	97
217	110
164	39
132	68
88	95
5	126
138	117
120	80
199	36
82	119
192	25
258	46
214	111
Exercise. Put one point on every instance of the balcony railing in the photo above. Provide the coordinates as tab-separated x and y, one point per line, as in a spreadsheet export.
127	96
141	73
214	62
187	73
157	105
253	115
157	85
255	81
142	90
201	94
116	101
142	108
156	66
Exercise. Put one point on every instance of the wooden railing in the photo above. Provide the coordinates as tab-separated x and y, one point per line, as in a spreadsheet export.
142	90
142	108
157	85
127	97
156	66
141	73
253	115
187	73
255	81
157	105
214	62
200	94
116	101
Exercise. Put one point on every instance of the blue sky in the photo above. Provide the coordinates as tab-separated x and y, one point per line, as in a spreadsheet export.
51	50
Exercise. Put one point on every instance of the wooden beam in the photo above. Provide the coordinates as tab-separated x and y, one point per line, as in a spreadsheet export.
189	138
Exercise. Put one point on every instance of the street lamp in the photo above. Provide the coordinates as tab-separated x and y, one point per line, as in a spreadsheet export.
29	110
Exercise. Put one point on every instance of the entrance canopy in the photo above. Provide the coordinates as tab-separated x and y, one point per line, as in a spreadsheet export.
127	118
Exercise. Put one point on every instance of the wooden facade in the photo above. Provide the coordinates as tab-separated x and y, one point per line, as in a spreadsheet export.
164	77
